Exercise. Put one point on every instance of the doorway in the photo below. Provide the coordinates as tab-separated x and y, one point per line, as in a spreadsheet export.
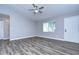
4	27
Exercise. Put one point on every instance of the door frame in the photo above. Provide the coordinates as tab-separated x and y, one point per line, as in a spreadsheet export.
6	19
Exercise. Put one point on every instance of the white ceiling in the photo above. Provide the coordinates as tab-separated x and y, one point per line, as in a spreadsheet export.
50	10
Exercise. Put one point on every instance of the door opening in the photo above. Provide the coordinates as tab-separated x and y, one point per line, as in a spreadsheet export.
4	27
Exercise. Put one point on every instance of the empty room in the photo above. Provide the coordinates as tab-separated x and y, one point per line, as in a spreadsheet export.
39	29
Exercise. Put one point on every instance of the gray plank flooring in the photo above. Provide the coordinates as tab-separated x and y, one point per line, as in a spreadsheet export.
38	46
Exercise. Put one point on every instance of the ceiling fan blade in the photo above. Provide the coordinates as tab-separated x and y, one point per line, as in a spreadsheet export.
41	7
34	5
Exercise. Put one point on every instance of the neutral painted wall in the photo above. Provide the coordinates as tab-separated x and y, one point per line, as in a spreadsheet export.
59	33
20	27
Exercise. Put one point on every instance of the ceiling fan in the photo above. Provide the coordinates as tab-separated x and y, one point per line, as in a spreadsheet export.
36	9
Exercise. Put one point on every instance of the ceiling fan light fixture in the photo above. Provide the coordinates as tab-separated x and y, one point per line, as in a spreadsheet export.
36	11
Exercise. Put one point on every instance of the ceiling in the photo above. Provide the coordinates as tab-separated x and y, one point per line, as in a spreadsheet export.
50	10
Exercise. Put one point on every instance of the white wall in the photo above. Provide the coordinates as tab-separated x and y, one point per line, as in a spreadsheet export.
59	33
20	27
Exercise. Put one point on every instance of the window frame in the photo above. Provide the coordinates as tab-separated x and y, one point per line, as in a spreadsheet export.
53	30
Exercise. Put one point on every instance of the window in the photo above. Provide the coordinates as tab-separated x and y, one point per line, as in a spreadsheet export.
49	27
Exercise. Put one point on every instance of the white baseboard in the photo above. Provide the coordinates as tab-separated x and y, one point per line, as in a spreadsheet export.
42	37
52	38
4	38
21	38
57	39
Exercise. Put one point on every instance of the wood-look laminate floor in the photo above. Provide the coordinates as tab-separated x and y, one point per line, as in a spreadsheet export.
38	46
